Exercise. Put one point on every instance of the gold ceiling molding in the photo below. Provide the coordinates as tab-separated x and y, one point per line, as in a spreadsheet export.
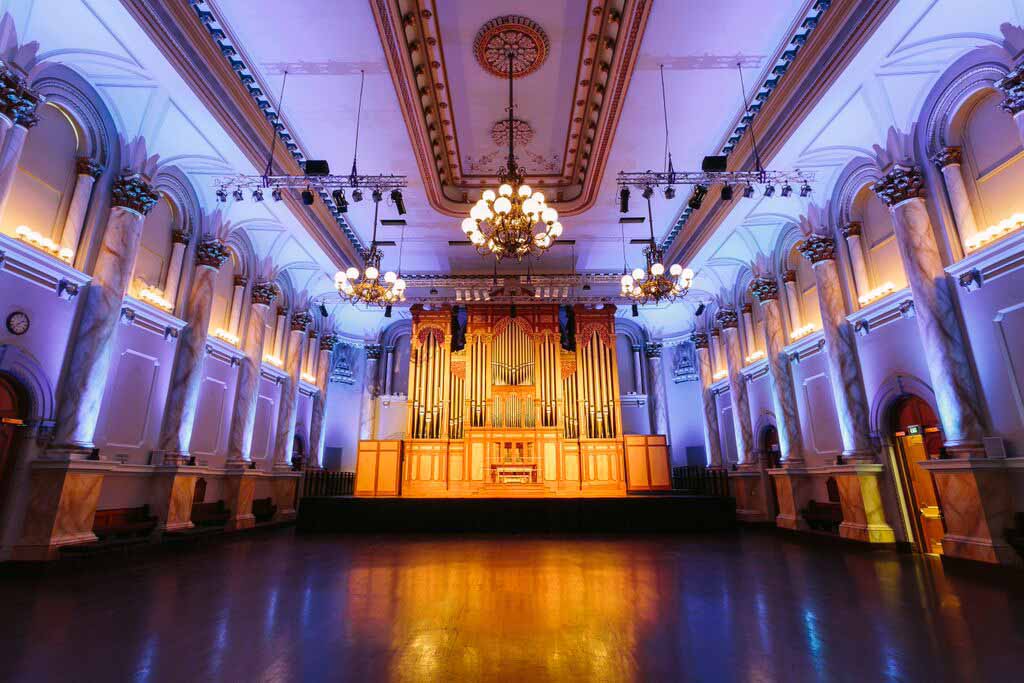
840	35
410	34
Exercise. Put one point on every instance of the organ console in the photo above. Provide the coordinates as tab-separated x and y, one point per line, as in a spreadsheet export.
513	412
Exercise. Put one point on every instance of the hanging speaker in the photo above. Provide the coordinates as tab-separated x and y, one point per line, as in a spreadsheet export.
714	164
317	167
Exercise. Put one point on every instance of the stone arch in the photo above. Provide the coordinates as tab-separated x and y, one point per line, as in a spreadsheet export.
895	387
857	174
64	87
173	183
23	367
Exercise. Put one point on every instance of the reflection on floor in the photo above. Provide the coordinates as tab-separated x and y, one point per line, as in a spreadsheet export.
277	607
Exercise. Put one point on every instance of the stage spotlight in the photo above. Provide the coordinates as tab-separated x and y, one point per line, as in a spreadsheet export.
586	287
787	190
222	195
340	201
277	194
323	310
396	197
805	190
624	200
635	310
726	193
700	310
238	195
769	190
748	191
307	198
648	192
357	195
433	291
670	193
257	195
387	311
699	192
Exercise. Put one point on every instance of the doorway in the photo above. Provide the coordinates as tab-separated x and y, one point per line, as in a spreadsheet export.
770	447
917	437
12	418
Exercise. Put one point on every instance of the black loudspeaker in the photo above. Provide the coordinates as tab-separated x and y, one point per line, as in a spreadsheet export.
316	167
700	310
710	164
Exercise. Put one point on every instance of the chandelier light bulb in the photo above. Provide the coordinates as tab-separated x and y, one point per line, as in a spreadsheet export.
390	277
347	287
399	285
502	205
657	269
505	190
556	229
687	274
638	274
476	237
468	225
372	273
538	197
340	277
530	207
627	281
525	191
675	270
489	196
549	215
352	273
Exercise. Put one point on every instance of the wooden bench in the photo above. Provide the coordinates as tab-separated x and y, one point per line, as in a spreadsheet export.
210	514
115	529
263	509
823	516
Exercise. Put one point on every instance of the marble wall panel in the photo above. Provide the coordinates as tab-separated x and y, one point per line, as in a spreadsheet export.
823	438
208	432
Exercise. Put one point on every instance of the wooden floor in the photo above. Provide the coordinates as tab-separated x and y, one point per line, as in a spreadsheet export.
750	606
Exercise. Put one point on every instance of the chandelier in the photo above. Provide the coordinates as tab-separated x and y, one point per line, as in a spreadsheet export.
651	284
367	287
502	222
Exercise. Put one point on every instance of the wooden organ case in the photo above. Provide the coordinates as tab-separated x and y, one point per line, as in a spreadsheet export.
512	413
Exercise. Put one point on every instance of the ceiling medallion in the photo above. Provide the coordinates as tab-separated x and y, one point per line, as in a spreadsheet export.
520	36
521	131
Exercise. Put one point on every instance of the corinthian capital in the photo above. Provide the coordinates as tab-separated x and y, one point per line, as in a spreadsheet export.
948	156
817	248
1012	87
132	191
900	184
328	341
301	321
211	253
264	293
764	289
700	340
89	167
726	317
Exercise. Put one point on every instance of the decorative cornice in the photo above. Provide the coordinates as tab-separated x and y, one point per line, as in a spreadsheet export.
212	253
817	248
1012	87
948	156
264	293
653	349
852	230
900	184
700	340
764	289
410	35
132	191
727	318
301	321
88	166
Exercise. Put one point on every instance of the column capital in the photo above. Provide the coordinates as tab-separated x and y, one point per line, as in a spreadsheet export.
637	347
212	253
264	293
180	236
301	321
852	230
700	340
18	101
746	308
789	276
818	248
328	341
1012	87
373	351
726	317
241	281
88	166
716	332
764	289
948	156
899	184
132	191
653	349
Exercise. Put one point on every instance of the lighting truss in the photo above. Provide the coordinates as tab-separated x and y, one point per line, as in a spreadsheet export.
324	183
666	179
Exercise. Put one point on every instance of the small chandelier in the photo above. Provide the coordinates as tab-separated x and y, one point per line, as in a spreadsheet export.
502	222
367	287
651	284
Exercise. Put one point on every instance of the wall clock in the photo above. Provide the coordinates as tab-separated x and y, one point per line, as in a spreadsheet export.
17	322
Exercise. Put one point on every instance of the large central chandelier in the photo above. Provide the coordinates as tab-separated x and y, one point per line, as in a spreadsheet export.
502	222
367	287
651	284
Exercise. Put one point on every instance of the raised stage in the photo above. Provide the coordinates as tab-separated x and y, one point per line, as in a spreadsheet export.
635	514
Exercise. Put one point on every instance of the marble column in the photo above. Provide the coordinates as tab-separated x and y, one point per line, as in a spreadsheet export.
317	423
844	371
748	328
310	355
787	419
945	346
20	107
861	281
742	427
187	372
949	162
281	323
91	345
717	357
81	197
638	385
1012	87
657	399
369	399
243	417
287	412
6	123
237	298
792	299
389	369
712	438
179	242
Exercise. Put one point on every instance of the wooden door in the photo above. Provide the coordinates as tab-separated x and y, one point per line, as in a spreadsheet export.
919	490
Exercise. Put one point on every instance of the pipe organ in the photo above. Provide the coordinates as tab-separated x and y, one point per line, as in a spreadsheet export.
513	412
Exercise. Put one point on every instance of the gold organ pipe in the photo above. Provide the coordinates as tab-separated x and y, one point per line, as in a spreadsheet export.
418	391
